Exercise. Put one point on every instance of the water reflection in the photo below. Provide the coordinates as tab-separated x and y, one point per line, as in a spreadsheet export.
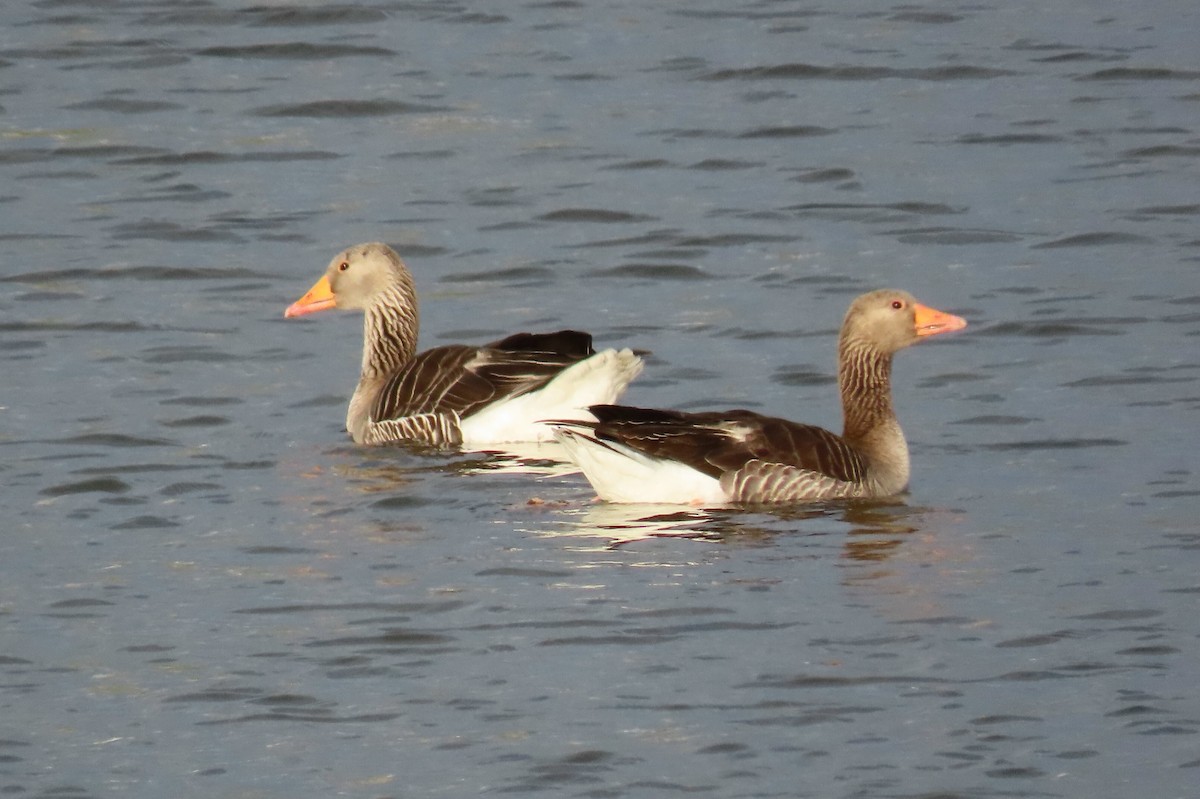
542	458
401	469
873	529
616	525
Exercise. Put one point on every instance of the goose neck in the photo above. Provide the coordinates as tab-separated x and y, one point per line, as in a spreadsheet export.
389	334
865	380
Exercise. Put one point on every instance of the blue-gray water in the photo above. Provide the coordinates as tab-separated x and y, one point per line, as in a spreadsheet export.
205	590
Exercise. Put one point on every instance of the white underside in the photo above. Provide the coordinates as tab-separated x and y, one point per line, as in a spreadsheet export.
599	380
621	474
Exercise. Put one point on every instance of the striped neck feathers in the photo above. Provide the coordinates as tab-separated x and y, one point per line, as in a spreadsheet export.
390	326
865	380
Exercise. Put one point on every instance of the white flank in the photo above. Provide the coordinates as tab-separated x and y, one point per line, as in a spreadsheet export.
598	380
621	474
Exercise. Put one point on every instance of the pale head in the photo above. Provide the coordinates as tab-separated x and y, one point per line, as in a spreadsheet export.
888	320
358	278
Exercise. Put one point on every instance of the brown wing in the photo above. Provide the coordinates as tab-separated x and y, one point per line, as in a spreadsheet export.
725	441
463	379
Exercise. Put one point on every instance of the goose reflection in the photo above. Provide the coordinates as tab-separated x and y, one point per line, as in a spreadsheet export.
874	530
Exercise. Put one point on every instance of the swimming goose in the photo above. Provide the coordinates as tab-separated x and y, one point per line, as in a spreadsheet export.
456	395
716	458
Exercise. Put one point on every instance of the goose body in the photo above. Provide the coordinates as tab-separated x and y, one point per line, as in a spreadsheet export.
739	456
456	395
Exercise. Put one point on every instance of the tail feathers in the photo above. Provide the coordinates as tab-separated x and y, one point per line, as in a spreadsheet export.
597	380
620	473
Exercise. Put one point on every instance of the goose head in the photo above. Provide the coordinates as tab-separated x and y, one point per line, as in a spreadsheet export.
888	320
358	278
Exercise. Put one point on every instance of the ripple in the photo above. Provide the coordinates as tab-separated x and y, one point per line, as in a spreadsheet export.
1009	138
618	639
186	354
596	215
824	175
291	718
733	239
653	272
391	639
1136	379
800	71
1140	74
786	132
1092	240
80	603
1163	150
990	419
158	230
145	522
508	571
202	420
1077	56
341	109
403	502
1168	210
855	211
424	155
1061	327
183	488
802	377
102	485
723	164
1121	615
276	549
926	17
825	681
212	157
120	105
953	236
1054	443
1015	772
299	15
300	51
519	274
1037	640
583	76
644	163
215	695
77	327
114	440
203	402
375	607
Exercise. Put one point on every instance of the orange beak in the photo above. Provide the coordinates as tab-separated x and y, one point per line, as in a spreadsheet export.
931	321
319	298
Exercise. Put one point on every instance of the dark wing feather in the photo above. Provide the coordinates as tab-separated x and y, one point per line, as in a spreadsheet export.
724	441
563	342
807	447
463	379
421	384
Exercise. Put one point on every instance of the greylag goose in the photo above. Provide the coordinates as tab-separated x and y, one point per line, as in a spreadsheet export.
716	458
456	395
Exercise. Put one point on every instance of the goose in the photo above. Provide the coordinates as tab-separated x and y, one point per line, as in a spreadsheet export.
456	395
718	458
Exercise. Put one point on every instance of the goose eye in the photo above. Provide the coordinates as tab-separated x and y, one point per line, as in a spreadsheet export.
897	304
343	266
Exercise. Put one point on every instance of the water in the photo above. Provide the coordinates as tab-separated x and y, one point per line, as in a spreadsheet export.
207	590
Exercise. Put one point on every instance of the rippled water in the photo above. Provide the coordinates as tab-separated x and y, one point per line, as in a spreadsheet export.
205	589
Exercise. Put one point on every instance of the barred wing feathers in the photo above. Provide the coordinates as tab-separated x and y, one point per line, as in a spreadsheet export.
463	379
